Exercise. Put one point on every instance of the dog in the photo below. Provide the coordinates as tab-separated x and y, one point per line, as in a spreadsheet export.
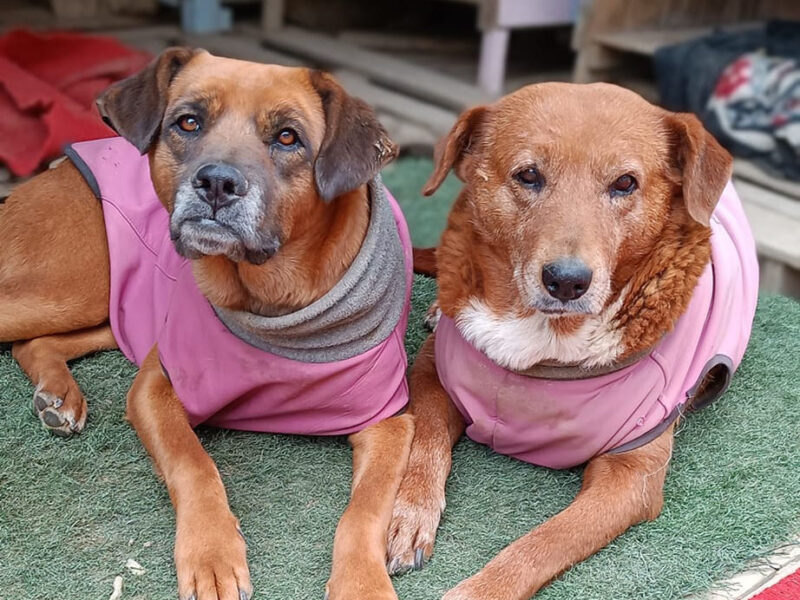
597	279
236	243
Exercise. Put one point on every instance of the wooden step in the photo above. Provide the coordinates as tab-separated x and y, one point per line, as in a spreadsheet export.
646	42
775	220
435	119
399	75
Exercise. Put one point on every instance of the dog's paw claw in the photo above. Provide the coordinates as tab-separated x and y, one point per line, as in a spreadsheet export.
419	559
242	594
411	534
432	316
396	566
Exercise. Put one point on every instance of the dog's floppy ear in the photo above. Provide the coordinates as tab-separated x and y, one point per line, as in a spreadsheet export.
355	145
451	150
705	166
134	107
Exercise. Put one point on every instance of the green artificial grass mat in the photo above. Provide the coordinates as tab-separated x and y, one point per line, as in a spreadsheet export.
73	511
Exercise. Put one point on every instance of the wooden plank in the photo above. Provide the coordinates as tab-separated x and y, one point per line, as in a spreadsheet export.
152	39
409	137
515	14
750	171
39	19
492	62
646	42
777	233
406	42
776	277
232	44
235	45
391	72
433	118
273	13
128	35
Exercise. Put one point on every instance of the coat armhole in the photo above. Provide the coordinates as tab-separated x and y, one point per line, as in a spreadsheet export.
83	169
714	381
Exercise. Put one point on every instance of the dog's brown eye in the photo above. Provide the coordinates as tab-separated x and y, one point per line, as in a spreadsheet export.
531	178
287	137
189	123
623	186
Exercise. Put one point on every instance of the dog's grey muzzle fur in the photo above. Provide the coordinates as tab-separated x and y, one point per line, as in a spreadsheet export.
234	231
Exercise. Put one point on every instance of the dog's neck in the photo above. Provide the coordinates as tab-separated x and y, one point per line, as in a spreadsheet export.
322	247
359	311
648	297
657	291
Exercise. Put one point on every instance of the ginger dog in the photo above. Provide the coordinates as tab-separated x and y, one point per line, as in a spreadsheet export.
238	240
597	278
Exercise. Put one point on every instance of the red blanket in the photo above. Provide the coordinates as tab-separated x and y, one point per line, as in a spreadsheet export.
48	84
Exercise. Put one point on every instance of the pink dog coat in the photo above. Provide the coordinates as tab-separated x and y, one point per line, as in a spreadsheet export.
563	423
221	379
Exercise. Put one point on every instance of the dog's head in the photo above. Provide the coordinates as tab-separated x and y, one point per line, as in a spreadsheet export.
241	152
575	184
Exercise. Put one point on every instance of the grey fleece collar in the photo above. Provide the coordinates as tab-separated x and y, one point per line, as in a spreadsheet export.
357	314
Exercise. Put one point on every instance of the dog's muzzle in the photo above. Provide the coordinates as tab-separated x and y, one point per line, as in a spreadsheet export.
218	212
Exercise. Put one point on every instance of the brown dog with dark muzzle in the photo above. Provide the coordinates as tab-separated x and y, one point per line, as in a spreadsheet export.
597	278
268	178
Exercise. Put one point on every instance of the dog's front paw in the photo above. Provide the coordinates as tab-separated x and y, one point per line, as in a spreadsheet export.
61	409
211	558
415	519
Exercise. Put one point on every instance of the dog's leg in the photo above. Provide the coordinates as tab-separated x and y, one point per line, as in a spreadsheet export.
380	455
420	499
54	275
210	553
58	400
619	490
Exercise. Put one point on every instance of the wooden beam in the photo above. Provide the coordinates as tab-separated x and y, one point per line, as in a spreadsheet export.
515	14
391	72
273	13
648	41
776	231
434	119
241	47
745	169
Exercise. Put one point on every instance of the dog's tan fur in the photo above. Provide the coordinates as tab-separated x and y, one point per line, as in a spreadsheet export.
647	251
54	288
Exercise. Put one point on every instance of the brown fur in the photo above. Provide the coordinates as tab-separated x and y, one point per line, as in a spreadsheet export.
484	240
425	261
54	282
647	250
325	241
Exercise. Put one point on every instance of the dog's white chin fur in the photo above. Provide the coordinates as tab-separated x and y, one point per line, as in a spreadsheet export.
209	239
518	343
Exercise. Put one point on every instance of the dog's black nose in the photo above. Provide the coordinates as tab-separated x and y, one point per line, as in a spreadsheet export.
219	184
566	278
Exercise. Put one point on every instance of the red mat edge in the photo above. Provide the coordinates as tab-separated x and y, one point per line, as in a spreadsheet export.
787	588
